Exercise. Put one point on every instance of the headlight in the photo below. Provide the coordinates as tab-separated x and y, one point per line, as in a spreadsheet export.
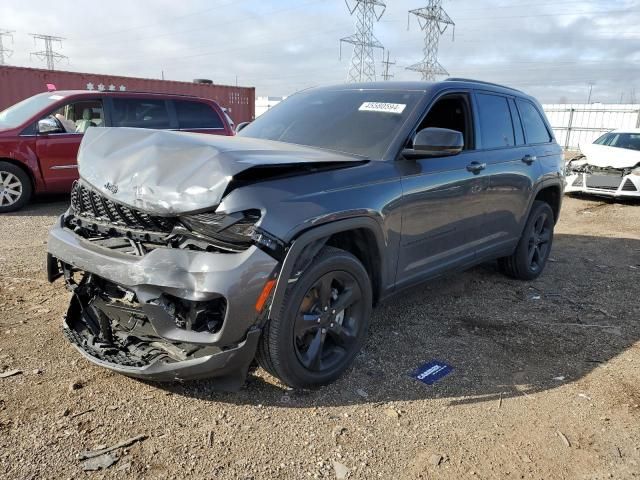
635	171
235	228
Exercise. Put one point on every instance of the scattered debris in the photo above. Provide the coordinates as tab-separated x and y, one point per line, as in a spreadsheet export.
500	401
99	463
535	296
362	393
585	396
339	430
435	459
392	413
431	372
76	385
37	371
209	438
559	378
10	373
564	438
125	443
82	413
341	470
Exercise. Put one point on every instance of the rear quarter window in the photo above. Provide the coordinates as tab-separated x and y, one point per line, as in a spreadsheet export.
535	129
195	115
495	121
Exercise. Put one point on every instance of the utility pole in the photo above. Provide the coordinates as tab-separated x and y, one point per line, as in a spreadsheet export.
48	54
433	21
366	12
386	75
591	84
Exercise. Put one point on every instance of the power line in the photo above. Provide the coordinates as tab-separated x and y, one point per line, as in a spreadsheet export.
363	67
48	53
386	75
5	52
433	21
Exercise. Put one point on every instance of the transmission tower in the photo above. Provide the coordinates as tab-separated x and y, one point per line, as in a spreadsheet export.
385	74
5	52
48	54
433	21
366	12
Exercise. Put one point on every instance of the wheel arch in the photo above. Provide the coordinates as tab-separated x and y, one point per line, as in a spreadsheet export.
361	236
551	194
23	167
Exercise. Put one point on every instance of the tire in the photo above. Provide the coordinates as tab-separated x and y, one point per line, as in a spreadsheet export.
15	187
531	254
304	327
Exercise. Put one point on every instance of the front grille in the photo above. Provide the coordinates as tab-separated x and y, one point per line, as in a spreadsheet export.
88	203
629	186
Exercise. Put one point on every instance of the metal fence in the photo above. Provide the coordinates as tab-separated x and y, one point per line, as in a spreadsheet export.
574	124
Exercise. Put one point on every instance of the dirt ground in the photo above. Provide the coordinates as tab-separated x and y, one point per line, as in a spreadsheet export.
546	379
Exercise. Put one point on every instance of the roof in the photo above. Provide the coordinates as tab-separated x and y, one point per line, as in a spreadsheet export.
424	86
68	93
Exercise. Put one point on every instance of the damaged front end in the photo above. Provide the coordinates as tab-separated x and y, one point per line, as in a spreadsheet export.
163	297
582	176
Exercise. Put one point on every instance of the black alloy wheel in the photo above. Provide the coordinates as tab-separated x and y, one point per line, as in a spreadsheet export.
328	321
322	322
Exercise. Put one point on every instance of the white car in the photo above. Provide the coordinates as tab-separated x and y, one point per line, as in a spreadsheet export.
608	166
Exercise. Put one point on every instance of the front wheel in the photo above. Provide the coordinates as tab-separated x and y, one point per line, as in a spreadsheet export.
15	187
322	324
531	254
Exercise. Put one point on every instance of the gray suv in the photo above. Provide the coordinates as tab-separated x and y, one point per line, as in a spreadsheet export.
189	256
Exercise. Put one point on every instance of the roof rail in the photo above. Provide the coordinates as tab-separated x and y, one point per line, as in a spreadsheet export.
481	82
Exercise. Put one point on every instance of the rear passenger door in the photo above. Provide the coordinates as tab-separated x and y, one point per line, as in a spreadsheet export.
512	171
199	117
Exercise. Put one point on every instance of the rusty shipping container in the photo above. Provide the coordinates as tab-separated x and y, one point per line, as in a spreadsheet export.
18	83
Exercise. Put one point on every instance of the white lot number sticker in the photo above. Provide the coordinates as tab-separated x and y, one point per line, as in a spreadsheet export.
396	108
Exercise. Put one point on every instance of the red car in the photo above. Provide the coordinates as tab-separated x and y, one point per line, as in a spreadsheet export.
40	136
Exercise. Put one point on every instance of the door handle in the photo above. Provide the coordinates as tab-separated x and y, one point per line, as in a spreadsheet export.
475	167
529	159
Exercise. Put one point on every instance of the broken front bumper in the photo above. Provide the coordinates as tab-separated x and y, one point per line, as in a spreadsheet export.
611	185
158	281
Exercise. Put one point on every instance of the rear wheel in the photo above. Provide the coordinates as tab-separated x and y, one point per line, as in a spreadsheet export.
322	324
532	252
15	187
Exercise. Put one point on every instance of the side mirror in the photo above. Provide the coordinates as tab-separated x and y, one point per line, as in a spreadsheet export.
48	125
241	125
435	142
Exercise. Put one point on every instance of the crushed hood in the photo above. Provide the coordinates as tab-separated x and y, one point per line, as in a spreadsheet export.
167	173
604	156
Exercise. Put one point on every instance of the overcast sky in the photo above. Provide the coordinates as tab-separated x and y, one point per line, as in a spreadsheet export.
551	49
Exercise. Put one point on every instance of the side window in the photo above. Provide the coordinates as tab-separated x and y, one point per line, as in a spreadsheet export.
77	117
604	139
196	115
534	127
495	121
140	113
452	112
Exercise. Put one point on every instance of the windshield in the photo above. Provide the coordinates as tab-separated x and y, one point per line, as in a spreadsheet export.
630	141
362	122
17	114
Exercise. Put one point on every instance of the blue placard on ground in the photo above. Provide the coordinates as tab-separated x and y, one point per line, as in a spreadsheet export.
431	372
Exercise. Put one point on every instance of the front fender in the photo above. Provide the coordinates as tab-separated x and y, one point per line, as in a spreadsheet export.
315	238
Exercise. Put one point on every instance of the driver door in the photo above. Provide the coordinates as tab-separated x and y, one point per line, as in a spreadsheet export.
57	150
442	206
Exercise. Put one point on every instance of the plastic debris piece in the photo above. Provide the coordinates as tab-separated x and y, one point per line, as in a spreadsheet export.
431	372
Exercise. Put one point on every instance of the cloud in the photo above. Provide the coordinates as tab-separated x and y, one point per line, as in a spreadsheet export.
551	49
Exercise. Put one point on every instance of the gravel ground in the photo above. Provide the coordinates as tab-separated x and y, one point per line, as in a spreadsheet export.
545	381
